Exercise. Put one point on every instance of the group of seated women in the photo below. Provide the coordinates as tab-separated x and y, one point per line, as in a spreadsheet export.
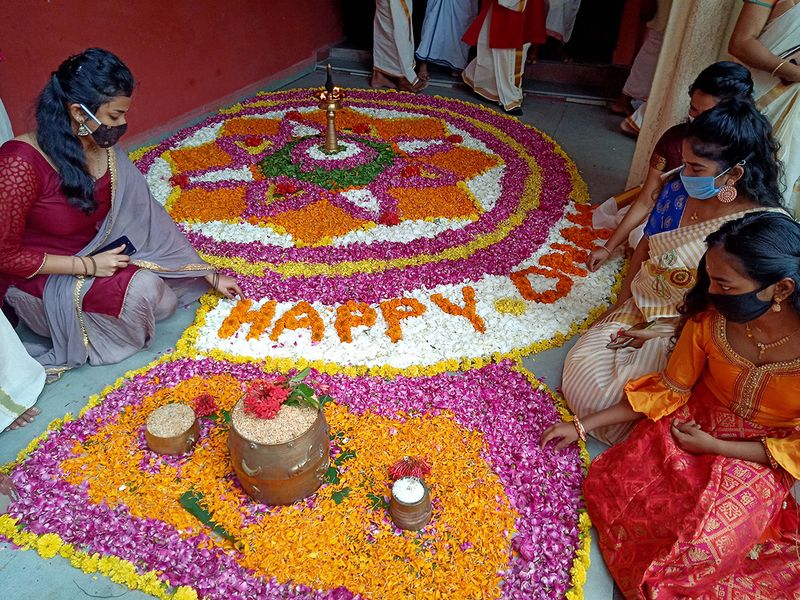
694	374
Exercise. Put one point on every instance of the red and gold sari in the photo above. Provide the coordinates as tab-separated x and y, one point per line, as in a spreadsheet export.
679	525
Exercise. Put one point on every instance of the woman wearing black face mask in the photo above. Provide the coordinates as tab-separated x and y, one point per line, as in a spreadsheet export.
66	194
696	501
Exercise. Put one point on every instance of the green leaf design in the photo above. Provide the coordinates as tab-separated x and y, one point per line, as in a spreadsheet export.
304	390
301	375
340	495
332	475
346	455
191	502
280	163
378	502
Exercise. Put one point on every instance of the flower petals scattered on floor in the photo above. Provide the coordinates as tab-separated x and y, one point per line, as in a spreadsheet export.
506	515
440	234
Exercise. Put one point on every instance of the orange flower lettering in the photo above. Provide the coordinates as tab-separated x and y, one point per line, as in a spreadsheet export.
301	316
467	311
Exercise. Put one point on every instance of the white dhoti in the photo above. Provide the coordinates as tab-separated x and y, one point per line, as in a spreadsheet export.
561	16
643	69
21	377
393	49
496	73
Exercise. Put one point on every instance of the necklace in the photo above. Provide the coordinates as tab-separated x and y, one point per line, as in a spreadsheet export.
762	347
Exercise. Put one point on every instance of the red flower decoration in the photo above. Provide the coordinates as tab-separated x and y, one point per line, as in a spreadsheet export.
294	115
389	218
252	140
205	405
409	466
361	128
410	171
285	188
454	139
179	180
264	397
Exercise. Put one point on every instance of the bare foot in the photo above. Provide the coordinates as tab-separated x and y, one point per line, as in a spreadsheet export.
629	128
415	87
381	80
25	418
622	106
422	71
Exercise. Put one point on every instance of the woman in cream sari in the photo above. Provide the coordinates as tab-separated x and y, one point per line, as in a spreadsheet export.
730	169
767	39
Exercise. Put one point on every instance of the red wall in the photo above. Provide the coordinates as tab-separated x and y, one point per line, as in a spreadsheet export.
184	54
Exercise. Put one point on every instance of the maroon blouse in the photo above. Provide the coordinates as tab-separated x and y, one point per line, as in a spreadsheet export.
35	218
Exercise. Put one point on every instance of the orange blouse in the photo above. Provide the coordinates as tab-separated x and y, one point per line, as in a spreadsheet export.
768	395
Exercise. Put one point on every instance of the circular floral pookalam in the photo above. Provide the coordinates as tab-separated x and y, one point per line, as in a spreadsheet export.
508	519
438	231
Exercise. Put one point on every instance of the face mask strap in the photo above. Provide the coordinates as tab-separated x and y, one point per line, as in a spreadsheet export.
91	114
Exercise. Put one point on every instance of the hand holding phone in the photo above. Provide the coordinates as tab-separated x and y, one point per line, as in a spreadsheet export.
129	250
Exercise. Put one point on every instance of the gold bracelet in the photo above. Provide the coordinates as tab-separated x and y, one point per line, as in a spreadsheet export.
604	247
94	265
775	70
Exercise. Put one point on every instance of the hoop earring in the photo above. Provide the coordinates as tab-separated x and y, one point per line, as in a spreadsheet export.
776	305
83	130
727	194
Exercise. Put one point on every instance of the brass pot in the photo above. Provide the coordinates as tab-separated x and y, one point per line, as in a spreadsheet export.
282	473
176	444
412	516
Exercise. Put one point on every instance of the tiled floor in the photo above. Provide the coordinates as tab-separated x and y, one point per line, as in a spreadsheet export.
589	136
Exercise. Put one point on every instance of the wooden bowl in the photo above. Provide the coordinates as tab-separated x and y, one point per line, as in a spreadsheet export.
411	515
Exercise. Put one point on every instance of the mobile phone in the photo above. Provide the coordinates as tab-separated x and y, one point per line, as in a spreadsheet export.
129	250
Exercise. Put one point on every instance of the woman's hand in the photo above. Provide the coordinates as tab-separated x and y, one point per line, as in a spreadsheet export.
565	432
225	285
692	438
597	258
109	262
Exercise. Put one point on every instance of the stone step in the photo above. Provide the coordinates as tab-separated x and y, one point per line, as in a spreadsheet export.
577	81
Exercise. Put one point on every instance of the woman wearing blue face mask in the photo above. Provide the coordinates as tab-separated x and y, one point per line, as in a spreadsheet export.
74	210
730	168
696	503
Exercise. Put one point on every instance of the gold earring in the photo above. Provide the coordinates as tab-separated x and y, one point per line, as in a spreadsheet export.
776	305
83	130
727	194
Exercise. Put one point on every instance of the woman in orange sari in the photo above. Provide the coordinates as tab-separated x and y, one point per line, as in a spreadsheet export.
696	503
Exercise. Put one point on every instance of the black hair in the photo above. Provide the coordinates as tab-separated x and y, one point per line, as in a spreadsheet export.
725	80
734	132
766	243
91	78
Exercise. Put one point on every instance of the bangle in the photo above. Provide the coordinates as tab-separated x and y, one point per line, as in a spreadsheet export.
85	268
579	428
604	248
772	462
94	265
775	70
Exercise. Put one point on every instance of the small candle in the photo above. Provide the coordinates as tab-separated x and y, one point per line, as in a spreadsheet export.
408	490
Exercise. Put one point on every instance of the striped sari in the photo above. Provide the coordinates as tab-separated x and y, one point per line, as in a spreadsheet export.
780	102
594	376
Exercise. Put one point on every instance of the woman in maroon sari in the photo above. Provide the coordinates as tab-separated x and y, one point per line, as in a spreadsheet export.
67	192
696	502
